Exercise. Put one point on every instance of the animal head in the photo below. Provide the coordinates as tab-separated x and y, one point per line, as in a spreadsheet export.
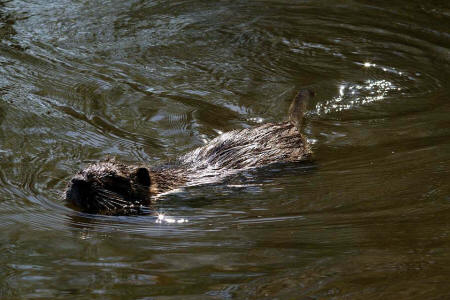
109	187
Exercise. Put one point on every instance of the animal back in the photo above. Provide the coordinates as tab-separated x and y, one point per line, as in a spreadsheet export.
249	148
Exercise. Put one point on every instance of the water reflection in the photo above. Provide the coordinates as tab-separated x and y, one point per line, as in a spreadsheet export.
148	81
162	218
351	96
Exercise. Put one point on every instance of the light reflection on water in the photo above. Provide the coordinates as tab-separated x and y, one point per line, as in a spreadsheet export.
149	81
162	218
353	95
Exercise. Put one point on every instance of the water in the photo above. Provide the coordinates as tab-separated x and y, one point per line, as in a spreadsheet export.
146	81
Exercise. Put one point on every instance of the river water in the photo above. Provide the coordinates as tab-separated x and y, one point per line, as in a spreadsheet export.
146	81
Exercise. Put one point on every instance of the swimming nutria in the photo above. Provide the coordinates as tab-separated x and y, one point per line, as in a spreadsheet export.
110	187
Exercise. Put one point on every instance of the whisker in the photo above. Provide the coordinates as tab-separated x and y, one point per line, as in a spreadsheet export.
112	205
101	205
109	202
119	204
111	195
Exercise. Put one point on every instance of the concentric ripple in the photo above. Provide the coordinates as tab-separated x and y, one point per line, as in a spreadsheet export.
146	81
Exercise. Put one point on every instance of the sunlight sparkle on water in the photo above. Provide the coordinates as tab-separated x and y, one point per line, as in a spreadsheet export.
351	95
162	218
341	90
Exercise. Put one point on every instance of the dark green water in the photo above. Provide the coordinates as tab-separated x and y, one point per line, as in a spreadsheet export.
146	81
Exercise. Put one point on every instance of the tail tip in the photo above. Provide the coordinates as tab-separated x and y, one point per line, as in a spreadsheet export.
298	107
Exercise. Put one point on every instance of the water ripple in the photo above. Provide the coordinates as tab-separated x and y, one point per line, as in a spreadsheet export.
148	81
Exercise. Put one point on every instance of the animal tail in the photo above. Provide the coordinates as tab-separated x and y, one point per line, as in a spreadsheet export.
298	107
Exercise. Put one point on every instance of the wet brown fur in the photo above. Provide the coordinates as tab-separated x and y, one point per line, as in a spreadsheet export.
110	187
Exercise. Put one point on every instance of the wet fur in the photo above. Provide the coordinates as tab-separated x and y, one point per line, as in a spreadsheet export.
244	149
110	187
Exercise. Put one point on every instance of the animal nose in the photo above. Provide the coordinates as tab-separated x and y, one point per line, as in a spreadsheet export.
79	185
77	191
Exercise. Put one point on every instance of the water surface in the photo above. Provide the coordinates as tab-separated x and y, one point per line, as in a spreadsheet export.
146	81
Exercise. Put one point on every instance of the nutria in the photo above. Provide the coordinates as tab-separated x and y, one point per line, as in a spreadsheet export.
110	187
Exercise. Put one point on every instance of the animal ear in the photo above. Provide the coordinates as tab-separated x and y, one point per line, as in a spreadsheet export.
142	176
